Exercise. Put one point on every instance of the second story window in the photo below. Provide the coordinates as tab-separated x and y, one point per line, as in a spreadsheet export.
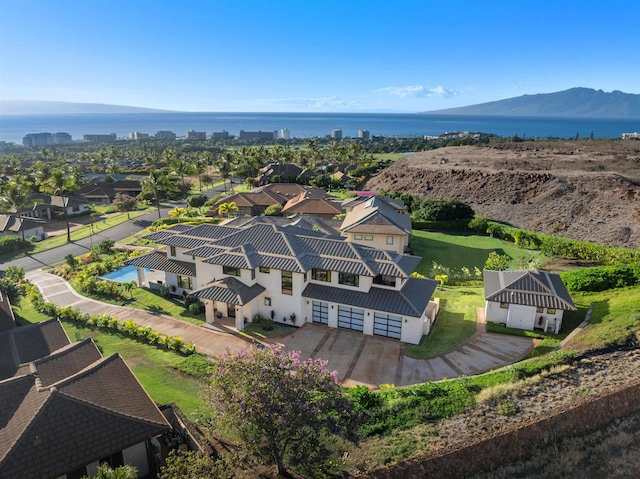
231	271
348	279
384	280
172	250
321	275
287	282
264	269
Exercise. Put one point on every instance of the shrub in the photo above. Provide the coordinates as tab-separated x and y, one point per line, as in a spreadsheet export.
14	273
196	308
601	278
197	201
443	210
106	246
9	244
478	224
273	210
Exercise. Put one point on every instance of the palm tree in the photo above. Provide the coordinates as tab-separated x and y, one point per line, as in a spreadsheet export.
181	167
157	183
59	185
225	165
178	212
16	197
227	208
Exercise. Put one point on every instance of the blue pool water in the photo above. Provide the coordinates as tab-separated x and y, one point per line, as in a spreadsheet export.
123	275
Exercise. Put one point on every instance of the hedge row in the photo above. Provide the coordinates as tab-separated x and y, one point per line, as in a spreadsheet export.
602	278
10	243
109	323
564	247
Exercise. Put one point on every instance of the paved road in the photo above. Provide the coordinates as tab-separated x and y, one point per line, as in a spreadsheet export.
77	248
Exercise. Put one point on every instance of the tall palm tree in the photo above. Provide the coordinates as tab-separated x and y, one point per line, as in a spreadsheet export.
181	167
157	183
227	208
225	165
16	197
60	185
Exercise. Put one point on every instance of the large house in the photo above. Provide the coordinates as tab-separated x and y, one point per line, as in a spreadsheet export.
378	221
50	206
104	192
66	408
526	299
295	275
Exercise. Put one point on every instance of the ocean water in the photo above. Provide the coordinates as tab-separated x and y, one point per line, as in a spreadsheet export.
302	125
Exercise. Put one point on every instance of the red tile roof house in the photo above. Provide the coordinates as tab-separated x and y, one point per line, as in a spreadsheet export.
66	408
526	299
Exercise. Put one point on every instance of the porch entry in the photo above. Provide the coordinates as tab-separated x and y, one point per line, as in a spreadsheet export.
231	310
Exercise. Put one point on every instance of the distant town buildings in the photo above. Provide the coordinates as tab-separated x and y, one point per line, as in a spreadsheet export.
257	135
285	134
165	135
196	135
630	136
220	135
136	135
100	138
336	134
364	134
46	139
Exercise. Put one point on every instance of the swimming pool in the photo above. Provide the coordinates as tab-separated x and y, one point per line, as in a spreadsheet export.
123	275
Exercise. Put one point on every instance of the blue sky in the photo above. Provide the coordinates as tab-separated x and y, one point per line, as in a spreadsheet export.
313	55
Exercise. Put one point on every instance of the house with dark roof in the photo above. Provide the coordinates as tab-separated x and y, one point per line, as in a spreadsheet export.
378	221
526	299
7	319
305	205
104	192
50	206
298	274
26	228
278	173
66	408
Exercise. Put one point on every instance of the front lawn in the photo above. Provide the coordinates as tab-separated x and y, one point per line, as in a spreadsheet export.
455	324
456	251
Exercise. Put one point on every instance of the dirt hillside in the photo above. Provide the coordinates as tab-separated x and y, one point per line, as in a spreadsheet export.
588	190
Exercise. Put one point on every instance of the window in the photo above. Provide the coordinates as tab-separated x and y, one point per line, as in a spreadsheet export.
75	208
368	237
287	282
184	282
384	280
253	274
357	237
172	250
504	305
321	275
267	301
551	311
348	279
389	239
264	269
539	310
231	271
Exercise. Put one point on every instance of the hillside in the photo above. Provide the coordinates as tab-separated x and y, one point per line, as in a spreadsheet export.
588	190
36	107
575	102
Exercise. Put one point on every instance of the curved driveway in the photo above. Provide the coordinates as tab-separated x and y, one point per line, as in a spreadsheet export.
359	359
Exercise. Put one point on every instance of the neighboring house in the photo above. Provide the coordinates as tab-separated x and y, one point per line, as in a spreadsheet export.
32	229
526	299
254	203
297	274
379	222
304	205
279	173
50	206
66	408
104	192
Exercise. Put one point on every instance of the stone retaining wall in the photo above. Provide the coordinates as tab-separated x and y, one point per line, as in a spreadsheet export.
587	415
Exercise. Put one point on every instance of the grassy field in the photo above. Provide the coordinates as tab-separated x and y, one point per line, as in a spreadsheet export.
466	250
152	366
456	321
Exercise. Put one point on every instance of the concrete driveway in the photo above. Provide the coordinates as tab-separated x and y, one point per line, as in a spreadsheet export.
359	359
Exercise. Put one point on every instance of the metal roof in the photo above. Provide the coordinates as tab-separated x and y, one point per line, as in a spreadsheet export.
529	288
158	260
228	290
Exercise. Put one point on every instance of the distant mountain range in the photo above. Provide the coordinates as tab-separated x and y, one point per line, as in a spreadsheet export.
36	107
572	103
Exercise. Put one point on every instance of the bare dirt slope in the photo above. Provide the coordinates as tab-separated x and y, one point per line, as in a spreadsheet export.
588	190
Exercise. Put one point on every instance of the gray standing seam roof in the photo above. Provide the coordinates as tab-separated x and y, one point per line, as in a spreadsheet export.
158	260
228	290
529	288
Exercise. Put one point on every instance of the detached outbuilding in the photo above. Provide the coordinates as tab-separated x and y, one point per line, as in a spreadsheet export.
526	299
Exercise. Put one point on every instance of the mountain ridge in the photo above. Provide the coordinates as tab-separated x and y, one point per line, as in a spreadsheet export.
572	103
45	107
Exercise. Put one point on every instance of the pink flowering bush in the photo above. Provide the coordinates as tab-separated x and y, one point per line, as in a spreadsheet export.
286	411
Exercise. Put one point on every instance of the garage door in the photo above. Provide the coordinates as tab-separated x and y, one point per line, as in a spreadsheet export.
521	318
351	318
320	312
387	325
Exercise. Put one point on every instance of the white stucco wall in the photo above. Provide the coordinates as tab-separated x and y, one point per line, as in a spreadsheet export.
379	241
137	456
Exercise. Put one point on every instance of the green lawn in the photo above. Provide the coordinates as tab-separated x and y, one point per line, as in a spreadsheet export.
456	321
152	366
465	250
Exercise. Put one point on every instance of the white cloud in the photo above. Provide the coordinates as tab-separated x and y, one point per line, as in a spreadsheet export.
320	103
417	91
